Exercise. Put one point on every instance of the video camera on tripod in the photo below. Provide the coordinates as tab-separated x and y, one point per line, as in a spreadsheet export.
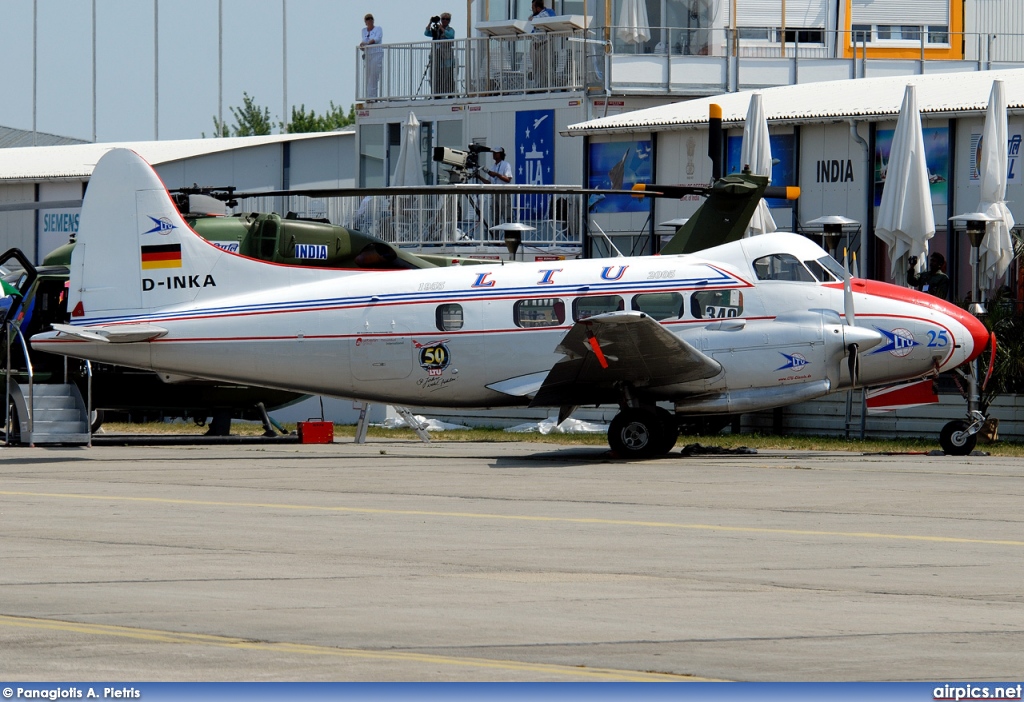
462	165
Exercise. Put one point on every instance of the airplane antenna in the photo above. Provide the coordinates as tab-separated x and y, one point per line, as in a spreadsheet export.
618	254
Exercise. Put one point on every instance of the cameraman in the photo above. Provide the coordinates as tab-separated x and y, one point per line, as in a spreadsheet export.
501	205
933	281
442	55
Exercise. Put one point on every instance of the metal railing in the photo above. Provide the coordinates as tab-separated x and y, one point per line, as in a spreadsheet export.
774	42
675	59
501	65
8	328
418	221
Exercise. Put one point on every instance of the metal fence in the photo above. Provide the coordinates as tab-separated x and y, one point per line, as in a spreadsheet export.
668	58
442	220
501	65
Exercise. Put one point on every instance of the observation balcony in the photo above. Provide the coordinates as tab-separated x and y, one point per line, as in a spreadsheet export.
673	61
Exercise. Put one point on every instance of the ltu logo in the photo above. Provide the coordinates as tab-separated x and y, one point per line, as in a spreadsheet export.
162	225
899	342
795	361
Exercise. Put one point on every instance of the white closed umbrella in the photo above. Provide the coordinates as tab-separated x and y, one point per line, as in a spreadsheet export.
409	170
756	152
633	24
996	251
905	218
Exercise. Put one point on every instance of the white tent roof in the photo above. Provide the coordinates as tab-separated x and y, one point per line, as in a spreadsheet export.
938	94
77	161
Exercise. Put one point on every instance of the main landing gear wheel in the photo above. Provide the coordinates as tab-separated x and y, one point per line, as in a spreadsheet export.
954	438
637	432
670	431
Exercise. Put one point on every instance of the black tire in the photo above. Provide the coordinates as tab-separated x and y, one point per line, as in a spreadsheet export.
954	442
670	431
636	433
97	420
15	438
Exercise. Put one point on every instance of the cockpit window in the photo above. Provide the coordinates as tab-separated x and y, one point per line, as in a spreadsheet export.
833	266
820	272
782	267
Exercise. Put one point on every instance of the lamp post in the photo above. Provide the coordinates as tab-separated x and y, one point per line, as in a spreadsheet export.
675	225
975	223
513	232
832	231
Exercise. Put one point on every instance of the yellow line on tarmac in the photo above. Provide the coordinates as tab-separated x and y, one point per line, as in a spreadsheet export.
174	637
521	517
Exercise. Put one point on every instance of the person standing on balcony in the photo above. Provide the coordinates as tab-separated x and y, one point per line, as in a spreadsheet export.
442	55
373	56
540	54
501	205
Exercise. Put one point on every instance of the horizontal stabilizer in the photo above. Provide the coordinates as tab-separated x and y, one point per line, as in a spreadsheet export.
120	334
523	386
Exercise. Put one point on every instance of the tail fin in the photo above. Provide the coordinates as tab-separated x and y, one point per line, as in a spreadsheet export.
136	256
134	251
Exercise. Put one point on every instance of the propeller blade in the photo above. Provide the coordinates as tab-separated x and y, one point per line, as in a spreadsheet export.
847	293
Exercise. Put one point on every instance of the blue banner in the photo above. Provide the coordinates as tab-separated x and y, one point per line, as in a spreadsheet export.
535	147
619	165
783	173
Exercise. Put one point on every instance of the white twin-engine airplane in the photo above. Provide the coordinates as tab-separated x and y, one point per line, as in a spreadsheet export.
744	326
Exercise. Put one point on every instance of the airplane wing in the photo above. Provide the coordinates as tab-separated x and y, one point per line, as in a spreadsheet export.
121	334
619	346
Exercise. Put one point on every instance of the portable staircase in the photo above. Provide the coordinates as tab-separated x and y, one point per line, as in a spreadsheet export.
49	413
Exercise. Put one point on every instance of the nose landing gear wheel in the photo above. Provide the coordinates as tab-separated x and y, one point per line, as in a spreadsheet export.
636	432
954	440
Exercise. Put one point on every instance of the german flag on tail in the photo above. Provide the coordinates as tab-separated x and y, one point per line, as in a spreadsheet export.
161	256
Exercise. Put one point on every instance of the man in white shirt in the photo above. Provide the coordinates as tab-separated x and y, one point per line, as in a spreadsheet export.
541	48
501	172
373	55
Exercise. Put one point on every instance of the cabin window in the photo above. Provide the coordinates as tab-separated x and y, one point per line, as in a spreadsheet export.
659	306
448	317
716	304
545	312
782	267
583	307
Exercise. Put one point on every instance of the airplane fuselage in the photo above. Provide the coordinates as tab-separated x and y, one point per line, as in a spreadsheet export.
449	337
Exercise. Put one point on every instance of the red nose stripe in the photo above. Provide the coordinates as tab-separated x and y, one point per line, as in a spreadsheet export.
979	334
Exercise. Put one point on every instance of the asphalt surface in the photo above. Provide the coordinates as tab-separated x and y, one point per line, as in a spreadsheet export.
403	561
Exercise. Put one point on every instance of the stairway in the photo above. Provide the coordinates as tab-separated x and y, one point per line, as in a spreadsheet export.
59	413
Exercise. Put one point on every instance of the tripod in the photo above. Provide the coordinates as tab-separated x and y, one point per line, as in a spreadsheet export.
426	69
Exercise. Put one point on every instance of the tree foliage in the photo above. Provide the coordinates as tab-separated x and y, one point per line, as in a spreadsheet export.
335	118
252	119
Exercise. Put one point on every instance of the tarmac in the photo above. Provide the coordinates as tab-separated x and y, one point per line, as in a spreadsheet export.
404	561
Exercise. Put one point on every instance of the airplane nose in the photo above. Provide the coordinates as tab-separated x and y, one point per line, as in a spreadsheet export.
979	332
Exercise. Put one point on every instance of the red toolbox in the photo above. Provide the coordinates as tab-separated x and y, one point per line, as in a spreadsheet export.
316	432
